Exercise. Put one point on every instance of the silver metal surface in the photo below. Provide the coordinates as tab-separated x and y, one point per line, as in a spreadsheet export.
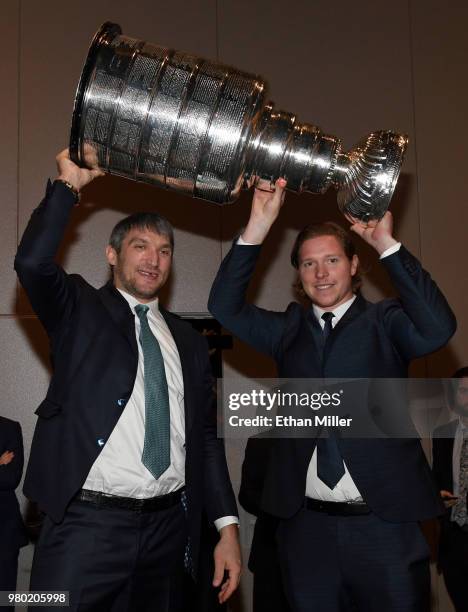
168	118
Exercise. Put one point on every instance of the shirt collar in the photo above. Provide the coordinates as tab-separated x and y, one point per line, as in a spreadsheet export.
339	311
132	302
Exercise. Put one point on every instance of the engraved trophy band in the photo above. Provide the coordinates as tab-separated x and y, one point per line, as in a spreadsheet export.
169	118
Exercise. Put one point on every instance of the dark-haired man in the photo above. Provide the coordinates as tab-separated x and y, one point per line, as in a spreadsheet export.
450	467
125	454
348	536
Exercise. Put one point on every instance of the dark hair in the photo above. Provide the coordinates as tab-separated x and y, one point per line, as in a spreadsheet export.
453	384
461	373
141	220
327	228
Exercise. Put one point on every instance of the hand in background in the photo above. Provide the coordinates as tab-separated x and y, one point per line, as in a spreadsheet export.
6	457
448	498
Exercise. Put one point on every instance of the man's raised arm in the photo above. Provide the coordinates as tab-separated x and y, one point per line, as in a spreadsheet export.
44	281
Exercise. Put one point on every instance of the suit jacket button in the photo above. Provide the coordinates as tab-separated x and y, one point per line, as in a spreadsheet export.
101	441
121	402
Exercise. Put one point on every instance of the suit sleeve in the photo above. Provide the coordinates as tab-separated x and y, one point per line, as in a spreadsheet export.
442	456
254	469
47	285
421	321
438	468
261	328
10	474
218	494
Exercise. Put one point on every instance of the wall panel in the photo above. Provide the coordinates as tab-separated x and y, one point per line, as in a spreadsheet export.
440	49
9	66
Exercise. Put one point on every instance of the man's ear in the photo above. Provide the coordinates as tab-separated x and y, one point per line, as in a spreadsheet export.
354	264
111	255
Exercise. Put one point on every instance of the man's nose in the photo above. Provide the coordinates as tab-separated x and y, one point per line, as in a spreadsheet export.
321	271
153	258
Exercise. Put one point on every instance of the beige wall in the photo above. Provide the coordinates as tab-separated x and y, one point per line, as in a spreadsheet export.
348	67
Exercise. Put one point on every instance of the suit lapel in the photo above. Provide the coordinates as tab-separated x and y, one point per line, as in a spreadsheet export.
120	312
317	336
448	449
185	349
354	311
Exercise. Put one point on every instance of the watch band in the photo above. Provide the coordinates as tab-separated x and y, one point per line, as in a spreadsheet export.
73	189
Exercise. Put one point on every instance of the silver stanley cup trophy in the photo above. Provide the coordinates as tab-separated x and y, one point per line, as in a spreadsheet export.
168	118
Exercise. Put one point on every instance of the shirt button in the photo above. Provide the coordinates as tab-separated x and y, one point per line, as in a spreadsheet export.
121	402
101	441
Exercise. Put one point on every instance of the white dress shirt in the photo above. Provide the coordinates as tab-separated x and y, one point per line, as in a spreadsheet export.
345	490
118	470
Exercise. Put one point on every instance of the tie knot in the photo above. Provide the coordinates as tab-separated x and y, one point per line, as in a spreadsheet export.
327	316
141	310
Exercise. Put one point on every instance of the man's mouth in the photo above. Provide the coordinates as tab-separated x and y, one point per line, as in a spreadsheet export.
148	273
324	286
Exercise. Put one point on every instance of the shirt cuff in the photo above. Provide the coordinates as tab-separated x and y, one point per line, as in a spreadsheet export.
242	242
393	249
224	521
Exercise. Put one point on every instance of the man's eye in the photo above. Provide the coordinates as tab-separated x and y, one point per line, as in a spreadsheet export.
332	260
140	247
306	264
166	252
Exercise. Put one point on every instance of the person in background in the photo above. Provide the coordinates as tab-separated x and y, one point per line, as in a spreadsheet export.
12	531
450	468
268	591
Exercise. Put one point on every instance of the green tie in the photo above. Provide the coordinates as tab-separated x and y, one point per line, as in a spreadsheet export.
156	455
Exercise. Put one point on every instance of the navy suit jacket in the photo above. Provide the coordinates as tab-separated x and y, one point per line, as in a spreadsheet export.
12	530
263	554
370	341
442	467
95	356
442	455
